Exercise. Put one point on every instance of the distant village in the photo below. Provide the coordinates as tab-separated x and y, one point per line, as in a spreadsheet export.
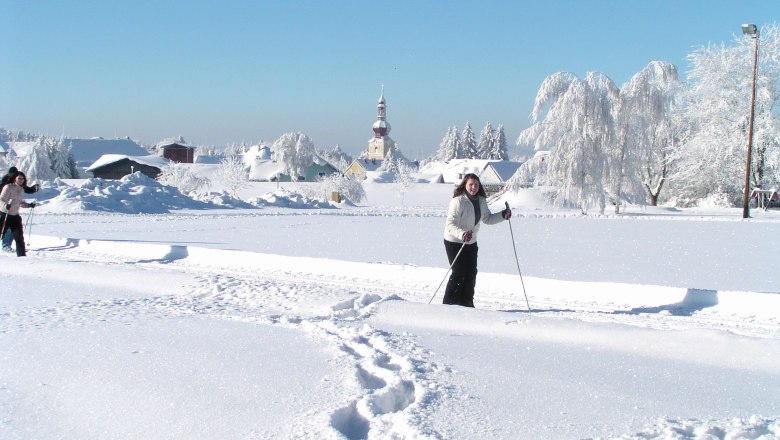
116	158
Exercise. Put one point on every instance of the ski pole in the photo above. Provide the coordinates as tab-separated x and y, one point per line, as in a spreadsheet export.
29	222
5	218
517	260
448	271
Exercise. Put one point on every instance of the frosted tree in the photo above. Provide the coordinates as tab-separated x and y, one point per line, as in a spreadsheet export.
449	146
647	134
573	118
468	144
182	177
403	179
232	173
485	141
337	157
497	149
61	158
36	165
710	159
348	187
295	152
391	161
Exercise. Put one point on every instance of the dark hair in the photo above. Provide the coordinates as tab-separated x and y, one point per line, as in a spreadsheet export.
461	188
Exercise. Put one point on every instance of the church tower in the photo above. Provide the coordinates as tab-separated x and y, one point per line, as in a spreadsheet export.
380	144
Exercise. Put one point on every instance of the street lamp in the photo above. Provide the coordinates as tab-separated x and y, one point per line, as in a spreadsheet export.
752	30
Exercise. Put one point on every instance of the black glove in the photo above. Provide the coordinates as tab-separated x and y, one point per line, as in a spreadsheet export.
507	214
7	207
31	204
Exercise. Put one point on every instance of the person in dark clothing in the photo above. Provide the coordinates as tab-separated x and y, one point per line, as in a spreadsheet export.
9	178
468	208
10	203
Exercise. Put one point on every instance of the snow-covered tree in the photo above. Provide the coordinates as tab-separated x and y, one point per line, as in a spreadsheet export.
647	134
485	141
295	152
36	165
468	144
181	176
710	158
348	187
497	149
449	146
232	173
403	179
61	158
573	118
337	157
390	162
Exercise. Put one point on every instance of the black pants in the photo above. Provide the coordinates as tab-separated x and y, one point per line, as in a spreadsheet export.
460	287
14	223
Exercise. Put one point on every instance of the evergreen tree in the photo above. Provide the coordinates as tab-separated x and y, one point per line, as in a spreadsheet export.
60	157
485	142
498	148
448	147
468	145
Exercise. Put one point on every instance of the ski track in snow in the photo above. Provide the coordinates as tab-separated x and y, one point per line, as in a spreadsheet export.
395	382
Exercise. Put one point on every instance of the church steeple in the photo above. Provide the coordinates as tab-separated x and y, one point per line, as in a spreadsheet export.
381	144
381	126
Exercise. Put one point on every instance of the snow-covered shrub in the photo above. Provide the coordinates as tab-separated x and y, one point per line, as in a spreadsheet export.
232	173
182	177
348	187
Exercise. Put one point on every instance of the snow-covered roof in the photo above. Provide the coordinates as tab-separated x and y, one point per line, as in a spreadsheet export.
258	151
87	151
173	141
369	165
265	170
505	168
21	148
501	170
151	160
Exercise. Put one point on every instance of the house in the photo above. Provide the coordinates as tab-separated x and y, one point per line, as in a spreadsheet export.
177	152
116	166
359	167
492	173
86	151
264	169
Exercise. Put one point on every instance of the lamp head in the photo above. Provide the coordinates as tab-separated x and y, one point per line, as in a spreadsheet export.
750	29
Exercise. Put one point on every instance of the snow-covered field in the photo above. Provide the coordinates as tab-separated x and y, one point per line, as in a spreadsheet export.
143	314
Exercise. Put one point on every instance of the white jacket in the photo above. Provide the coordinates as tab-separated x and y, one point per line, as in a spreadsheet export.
12	194
461	217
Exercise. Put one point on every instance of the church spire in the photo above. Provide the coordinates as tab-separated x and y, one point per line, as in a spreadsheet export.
380	144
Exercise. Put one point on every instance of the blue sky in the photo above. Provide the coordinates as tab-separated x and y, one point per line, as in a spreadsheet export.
232	71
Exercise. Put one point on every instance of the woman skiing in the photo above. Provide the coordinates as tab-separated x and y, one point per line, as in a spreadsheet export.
10	203
467	209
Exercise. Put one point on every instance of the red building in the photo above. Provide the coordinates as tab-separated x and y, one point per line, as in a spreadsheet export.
178	153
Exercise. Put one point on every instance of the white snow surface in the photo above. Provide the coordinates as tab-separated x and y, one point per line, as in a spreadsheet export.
143	313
